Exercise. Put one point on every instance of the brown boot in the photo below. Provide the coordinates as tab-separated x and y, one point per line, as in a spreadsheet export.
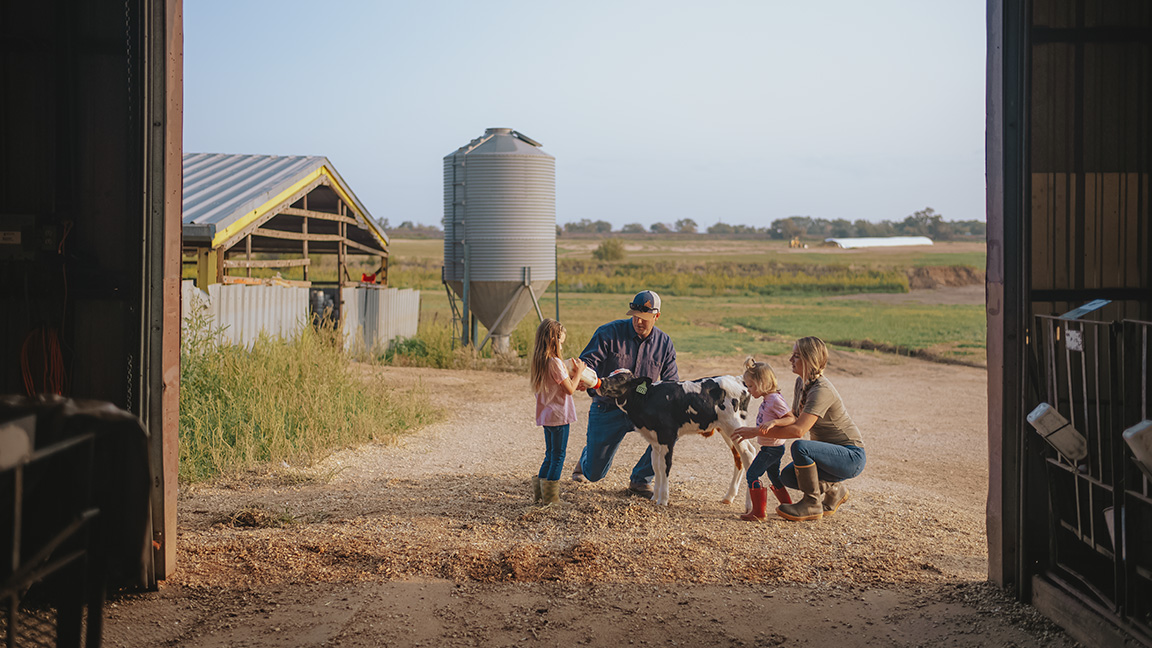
536	489
811	507
835	494
781	494
549	492
759	496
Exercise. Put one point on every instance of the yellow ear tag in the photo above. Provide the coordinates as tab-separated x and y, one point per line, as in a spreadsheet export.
642	388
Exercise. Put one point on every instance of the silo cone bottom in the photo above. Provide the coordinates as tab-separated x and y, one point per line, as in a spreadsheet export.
502	344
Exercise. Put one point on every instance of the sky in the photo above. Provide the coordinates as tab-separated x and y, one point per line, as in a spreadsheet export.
735	111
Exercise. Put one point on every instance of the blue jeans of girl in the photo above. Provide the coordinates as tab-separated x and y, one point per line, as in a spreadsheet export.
555	447
833	462
767	462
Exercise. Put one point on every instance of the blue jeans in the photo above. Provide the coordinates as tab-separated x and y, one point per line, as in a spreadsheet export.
607	426
833	462
555	448
767	461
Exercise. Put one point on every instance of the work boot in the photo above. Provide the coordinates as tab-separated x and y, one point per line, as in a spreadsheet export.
549	492
535	489
578	474
781	494
811	507
835	494
759	496
643	489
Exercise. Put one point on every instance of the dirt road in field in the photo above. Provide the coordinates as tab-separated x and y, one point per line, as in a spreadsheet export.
432	541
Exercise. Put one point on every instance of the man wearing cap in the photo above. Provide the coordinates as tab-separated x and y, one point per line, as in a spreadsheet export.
636	345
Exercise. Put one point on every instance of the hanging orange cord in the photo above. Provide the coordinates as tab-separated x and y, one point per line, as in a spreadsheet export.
51	366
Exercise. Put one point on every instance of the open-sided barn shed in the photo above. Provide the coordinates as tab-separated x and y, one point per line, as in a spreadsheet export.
293	207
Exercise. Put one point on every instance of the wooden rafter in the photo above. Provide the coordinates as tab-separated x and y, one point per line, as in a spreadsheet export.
360	246
268	263
308	213
295	236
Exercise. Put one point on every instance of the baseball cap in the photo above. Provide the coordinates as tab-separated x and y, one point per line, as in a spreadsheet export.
646	304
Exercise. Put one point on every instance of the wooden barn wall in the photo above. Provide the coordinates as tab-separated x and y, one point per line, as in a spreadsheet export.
1088	156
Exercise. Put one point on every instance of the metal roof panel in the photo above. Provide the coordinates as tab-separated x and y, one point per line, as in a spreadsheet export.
220	189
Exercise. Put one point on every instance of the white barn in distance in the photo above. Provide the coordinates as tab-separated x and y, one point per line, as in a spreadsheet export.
878	241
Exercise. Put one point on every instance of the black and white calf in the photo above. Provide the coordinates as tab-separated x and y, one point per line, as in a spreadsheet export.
664	411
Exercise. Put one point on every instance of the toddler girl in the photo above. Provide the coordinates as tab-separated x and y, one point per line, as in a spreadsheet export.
761	383
554	385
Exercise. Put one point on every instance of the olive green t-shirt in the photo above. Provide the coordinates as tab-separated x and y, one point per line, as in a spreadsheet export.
833	425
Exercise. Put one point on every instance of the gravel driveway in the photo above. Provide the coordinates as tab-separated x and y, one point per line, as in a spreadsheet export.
431	541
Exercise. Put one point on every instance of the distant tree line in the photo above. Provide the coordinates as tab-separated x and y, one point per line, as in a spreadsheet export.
410	230
925	222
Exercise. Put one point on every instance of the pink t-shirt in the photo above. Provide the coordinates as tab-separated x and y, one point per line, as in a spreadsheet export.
773	407
554	406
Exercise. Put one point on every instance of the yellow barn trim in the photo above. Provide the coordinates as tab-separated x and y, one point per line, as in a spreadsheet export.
228	232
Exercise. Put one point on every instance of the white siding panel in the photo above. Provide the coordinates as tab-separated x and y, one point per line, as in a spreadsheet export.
373	317
243	311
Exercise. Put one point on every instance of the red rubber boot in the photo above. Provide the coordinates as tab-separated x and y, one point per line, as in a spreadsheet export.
781	494
759	496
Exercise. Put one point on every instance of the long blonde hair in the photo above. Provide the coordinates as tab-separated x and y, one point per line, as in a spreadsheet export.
813	354
761	375
546	347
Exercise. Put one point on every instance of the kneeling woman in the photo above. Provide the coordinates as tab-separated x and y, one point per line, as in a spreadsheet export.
834	453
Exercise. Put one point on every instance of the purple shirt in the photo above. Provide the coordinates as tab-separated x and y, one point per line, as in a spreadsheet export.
773	407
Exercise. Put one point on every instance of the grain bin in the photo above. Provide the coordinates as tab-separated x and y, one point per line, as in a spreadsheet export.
499	229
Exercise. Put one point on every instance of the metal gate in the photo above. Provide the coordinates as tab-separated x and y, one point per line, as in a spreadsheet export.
1088	521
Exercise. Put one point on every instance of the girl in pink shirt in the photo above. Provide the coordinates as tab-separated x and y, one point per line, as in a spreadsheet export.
554	385
761	383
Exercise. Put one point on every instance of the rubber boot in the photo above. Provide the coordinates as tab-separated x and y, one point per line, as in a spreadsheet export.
835	494
535	489
549	492
781	494
759	496
811	507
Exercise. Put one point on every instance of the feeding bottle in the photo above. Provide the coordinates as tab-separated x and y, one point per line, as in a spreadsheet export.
588	377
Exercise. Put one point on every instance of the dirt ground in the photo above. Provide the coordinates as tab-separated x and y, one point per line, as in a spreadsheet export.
432	540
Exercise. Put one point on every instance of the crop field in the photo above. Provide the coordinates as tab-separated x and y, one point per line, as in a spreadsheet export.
719	310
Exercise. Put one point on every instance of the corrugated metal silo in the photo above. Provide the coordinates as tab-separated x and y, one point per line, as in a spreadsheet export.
499	227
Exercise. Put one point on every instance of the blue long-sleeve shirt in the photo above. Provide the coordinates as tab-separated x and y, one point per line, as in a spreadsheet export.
616	345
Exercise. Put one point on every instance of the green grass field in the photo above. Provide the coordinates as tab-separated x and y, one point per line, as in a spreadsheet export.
734	324
707	327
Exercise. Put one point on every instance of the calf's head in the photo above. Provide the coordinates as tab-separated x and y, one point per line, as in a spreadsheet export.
621	384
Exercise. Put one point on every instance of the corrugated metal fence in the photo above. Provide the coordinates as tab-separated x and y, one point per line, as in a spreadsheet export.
373	316
244	311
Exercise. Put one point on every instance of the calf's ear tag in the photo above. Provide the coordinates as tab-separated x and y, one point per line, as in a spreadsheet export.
642	388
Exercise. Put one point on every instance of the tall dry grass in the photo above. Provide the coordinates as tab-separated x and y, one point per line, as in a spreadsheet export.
291	401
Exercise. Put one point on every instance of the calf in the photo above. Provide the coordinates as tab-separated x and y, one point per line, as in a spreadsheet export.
665	411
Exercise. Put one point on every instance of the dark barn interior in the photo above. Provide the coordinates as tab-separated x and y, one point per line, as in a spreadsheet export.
90	143
1069	308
